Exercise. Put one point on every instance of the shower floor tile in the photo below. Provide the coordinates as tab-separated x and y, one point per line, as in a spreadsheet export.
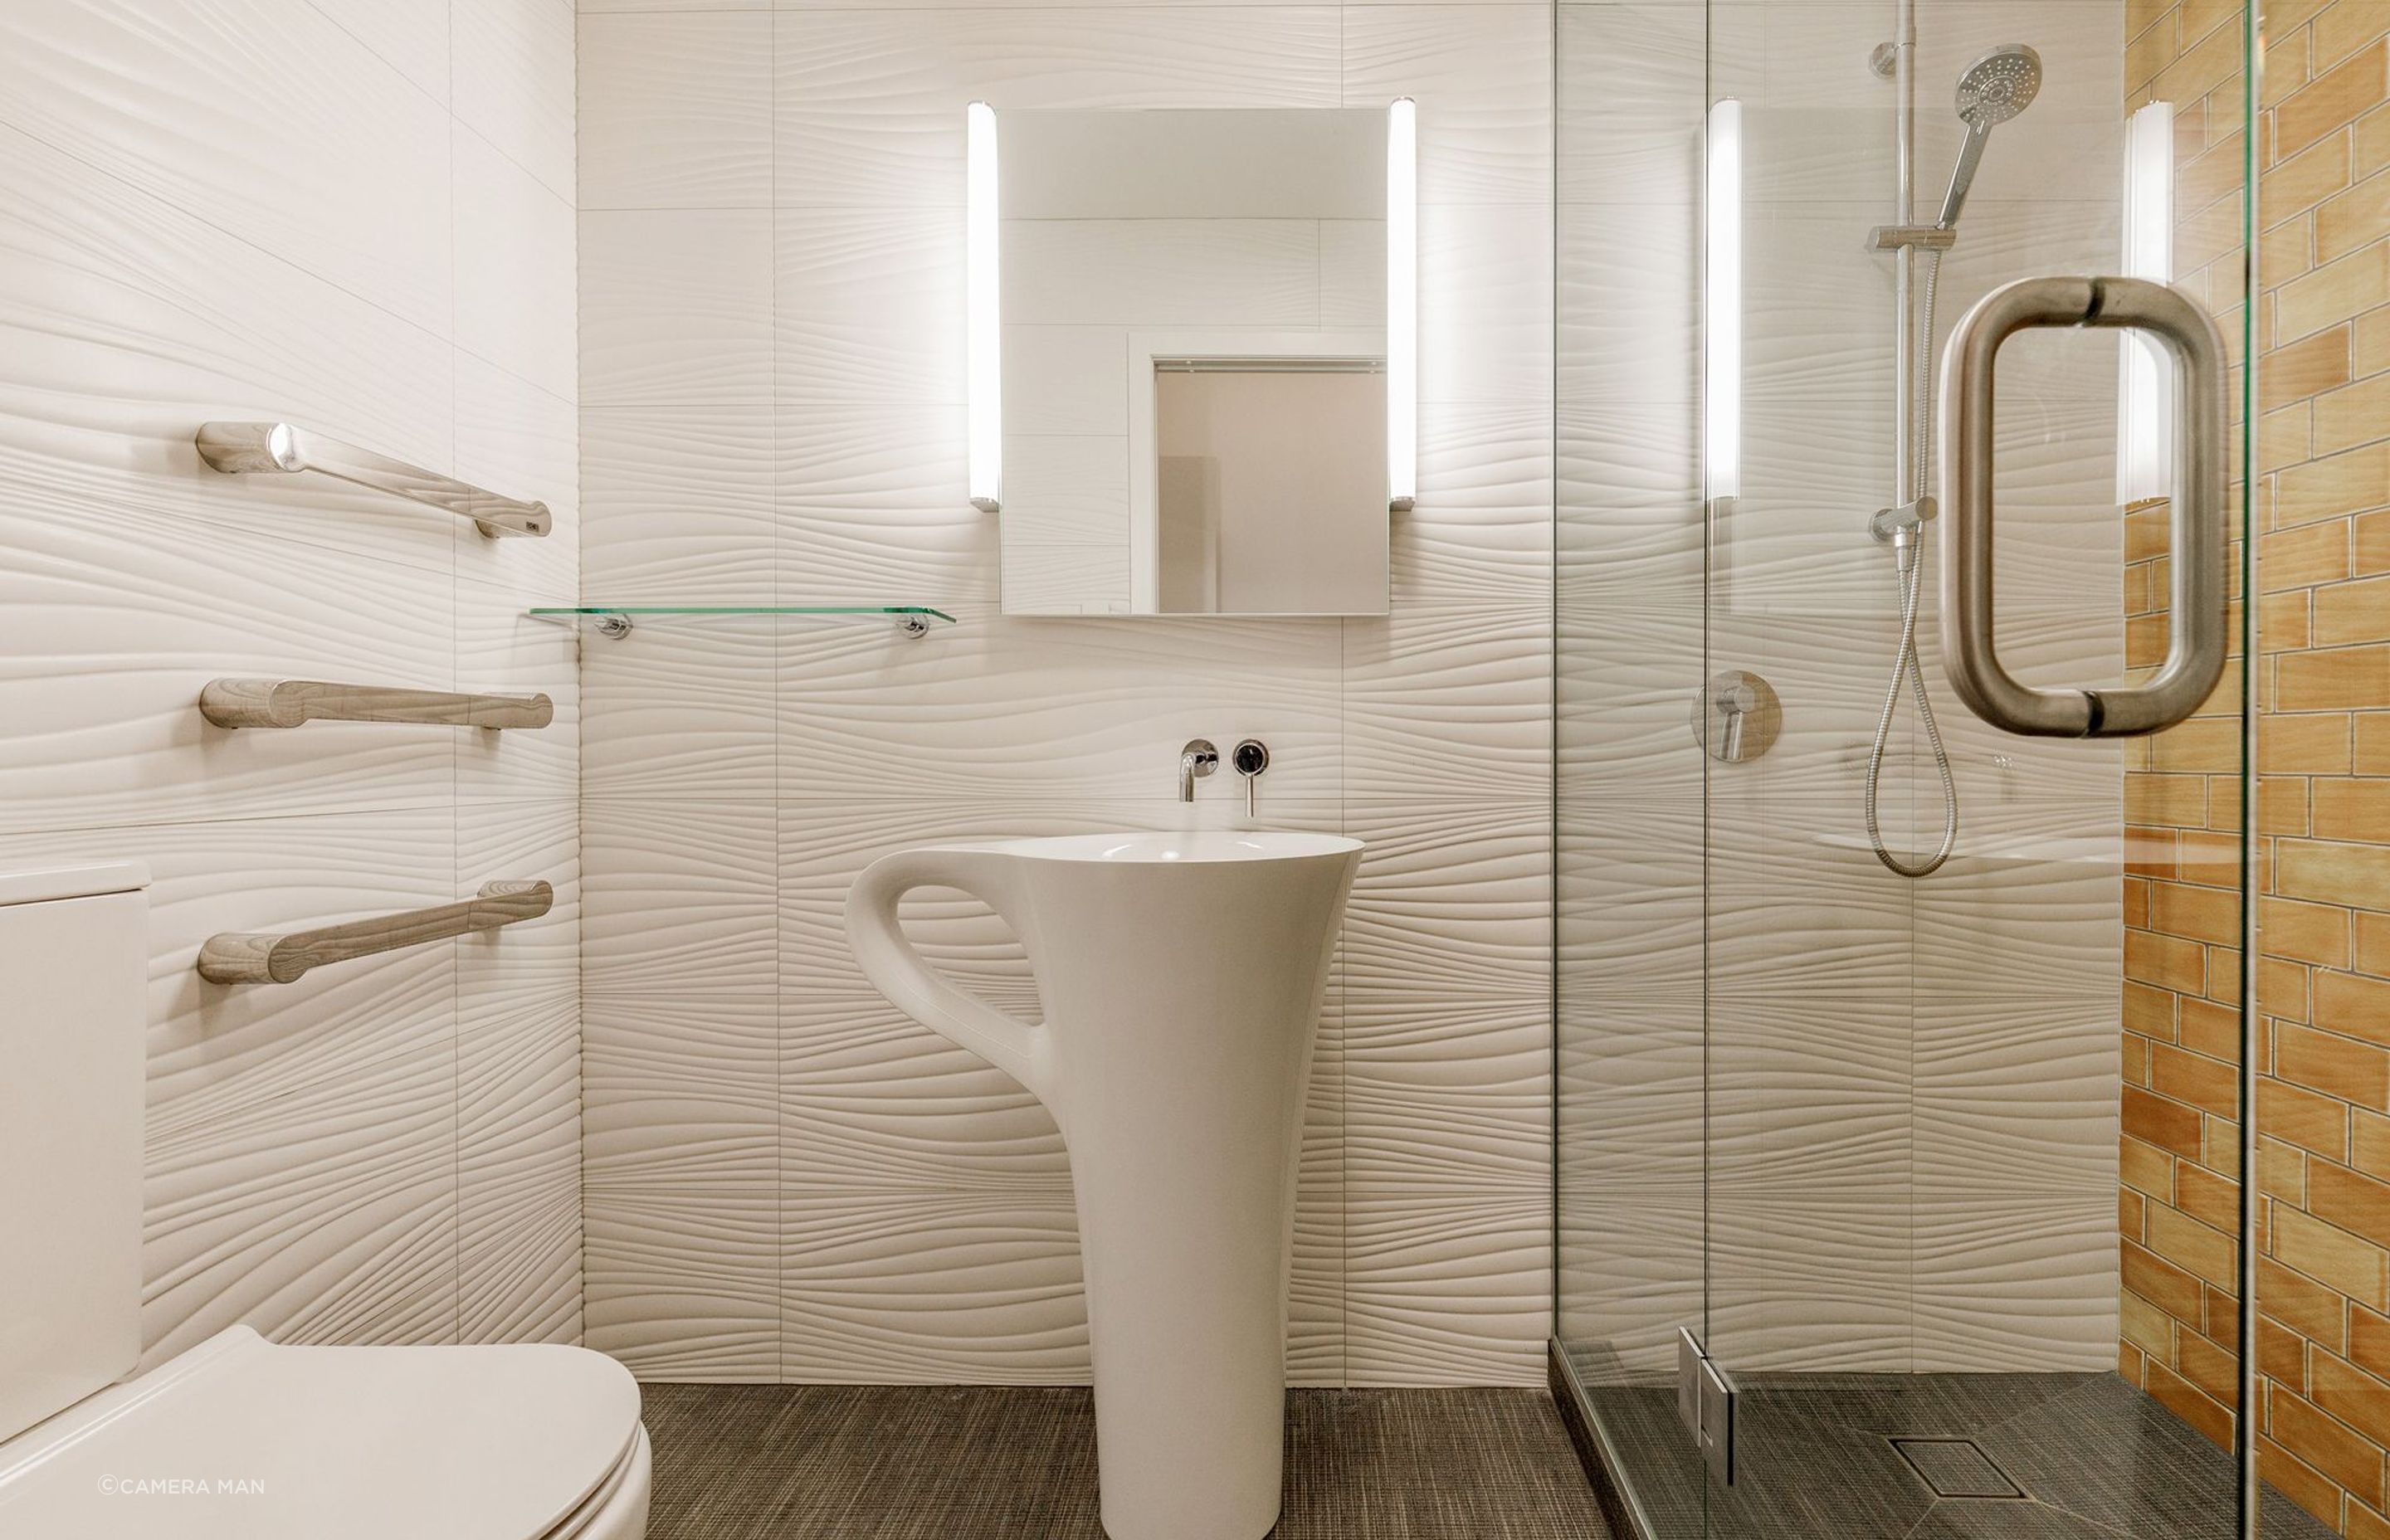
1821	1457
797	1462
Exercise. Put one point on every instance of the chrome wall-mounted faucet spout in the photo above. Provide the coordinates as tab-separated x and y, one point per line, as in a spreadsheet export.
1198	758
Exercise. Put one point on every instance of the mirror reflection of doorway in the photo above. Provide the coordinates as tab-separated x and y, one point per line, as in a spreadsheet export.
1271	487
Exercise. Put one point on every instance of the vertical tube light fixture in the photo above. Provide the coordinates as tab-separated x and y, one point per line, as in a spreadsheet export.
1722	306
983	322
1402	305
2145	425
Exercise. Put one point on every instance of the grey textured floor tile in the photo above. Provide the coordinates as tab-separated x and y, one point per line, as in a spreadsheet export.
2111	1454
1961	1519
1799	1478
1912	1405
1816	1459
797	1462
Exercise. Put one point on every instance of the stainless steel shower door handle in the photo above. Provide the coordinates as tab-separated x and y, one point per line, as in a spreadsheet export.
2198	608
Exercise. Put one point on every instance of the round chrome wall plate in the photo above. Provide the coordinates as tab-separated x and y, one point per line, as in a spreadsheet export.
1737	716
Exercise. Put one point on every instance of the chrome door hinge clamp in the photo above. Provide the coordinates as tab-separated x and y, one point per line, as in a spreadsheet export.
1705	1405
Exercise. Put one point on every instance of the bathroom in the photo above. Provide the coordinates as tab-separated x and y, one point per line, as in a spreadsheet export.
1494	948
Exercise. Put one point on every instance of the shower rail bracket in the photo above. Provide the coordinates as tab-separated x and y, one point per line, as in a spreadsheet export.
244	448
1890	525
1892	237
267	957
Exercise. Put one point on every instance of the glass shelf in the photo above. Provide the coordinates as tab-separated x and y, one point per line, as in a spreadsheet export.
617	620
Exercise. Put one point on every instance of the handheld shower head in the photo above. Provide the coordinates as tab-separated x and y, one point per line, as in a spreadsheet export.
1998	86
1993	89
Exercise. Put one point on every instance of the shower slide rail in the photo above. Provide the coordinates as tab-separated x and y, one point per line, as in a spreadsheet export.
266	957
2198	605
240	448
291	702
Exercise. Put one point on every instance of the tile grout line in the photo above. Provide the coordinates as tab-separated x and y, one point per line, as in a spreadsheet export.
455	822
780	1183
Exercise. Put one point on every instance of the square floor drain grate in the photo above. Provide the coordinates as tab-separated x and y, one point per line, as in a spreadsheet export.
1956	1468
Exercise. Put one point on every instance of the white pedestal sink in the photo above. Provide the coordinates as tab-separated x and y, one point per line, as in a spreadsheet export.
1181	976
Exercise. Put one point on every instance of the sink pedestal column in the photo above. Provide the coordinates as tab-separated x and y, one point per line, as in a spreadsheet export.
1181	995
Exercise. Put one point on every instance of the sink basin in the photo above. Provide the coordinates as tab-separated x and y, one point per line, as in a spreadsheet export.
1181	977
1166	848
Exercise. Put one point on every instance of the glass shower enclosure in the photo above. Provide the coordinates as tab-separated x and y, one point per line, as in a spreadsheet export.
1902	871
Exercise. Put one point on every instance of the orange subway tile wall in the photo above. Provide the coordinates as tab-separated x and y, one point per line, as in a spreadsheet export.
2179	1199
2322	811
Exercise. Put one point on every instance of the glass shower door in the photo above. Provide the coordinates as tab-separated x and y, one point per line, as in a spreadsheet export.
1974	997
1901	1055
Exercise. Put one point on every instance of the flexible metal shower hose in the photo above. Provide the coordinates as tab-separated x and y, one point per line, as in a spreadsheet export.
1909	566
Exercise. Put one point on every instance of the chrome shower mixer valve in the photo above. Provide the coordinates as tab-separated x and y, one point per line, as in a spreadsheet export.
1251	759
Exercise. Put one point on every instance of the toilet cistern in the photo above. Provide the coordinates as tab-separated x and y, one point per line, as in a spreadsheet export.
1198	758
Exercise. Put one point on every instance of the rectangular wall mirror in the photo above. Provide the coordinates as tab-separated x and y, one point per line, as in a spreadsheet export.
1188	398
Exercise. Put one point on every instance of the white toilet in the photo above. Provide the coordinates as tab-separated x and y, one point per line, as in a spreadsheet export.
237	1437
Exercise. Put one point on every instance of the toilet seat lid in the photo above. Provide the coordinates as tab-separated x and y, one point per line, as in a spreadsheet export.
238	1437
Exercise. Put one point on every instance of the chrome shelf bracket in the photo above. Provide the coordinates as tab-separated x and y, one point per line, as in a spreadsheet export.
603	623
616	621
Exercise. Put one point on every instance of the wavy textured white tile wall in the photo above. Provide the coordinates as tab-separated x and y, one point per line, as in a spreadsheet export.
680	895
939	1287
1488	72
1630	1095
388	1150
679	501
775	407
684	1285
867	305
868	493
519	1172
676	112
1449	700
184	103
1486	480
866	1099
1975	1133
129	318
513	235
1445	1286
1813	1280
1630	1272
1053	710
676	308
865	100
2023	1279
513	67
